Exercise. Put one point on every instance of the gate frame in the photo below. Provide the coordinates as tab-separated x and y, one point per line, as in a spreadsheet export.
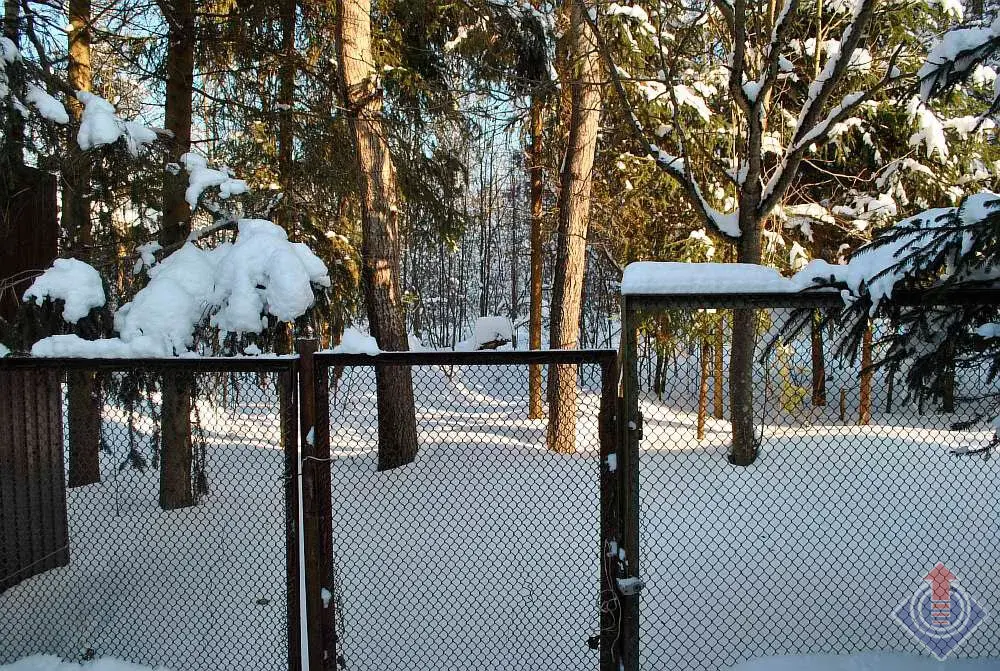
635	304
317	525
288	370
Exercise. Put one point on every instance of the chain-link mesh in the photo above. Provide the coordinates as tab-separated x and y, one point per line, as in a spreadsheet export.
484	552
853	499
177	546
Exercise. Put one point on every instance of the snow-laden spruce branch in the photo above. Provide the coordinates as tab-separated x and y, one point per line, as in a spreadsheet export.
677	167
954	58
817	133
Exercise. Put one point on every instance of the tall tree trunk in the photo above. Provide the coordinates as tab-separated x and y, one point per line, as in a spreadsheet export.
743	449
818	360
574	216
659	380
286	211
514	258
286	95
705	356
177	454
536	409
717	371
865	400
13	143
83	404
179	15
380	229
176	483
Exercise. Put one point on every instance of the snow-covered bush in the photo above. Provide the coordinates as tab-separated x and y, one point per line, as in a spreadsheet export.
231	288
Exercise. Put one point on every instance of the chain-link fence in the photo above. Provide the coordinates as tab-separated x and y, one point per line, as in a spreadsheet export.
177	507
827	543
484	552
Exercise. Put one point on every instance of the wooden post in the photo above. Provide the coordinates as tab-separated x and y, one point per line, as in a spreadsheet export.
706	353
720	339
890	389
865	402
177	451
818	362
84	427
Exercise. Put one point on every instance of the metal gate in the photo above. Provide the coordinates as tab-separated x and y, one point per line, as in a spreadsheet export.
209	584
492	549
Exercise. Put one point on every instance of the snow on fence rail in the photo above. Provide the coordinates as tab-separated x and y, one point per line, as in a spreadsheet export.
488	552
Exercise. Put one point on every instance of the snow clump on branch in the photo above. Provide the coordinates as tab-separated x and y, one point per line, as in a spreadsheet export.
233	286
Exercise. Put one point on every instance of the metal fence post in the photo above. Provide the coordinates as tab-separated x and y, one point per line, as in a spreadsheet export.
316	517
630	433
289	409
610	604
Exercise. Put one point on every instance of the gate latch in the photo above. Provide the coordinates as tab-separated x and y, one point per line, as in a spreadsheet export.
630	586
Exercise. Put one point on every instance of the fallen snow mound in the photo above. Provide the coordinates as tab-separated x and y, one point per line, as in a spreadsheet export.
865	661
489	330
53	663
355	341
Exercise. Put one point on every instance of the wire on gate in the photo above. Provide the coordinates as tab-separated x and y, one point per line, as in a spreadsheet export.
298	474
36	562
616	601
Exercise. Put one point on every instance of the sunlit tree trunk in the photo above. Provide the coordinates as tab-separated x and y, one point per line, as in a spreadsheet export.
574	215
717	367
536	409
865	400
83	396
705	357
380	250
818	361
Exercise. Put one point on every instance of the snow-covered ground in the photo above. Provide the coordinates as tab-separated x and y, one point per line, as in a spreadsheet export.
198	588
55	663
482	554
871	661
